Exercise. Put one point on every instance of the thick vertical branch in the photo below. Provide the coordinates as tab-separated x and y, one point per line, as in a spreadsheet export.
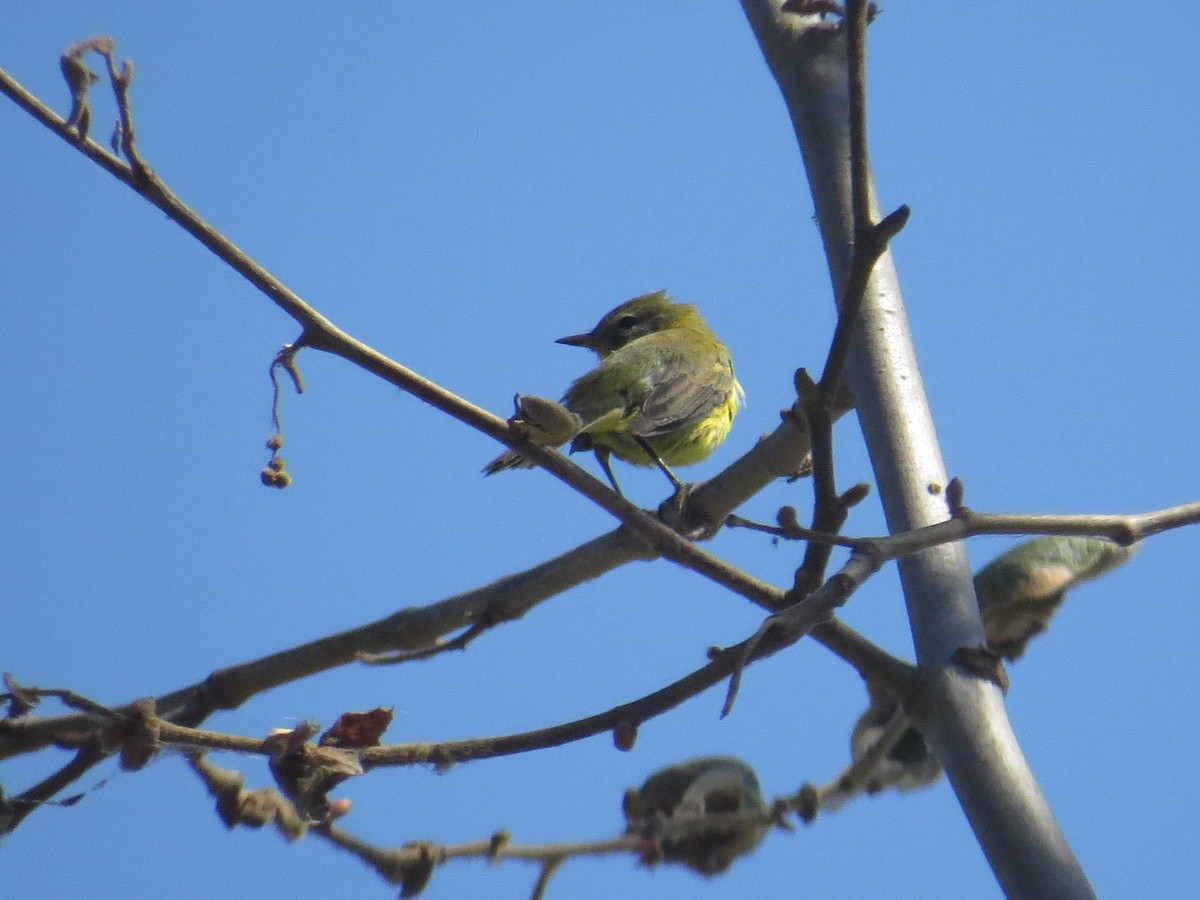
961	716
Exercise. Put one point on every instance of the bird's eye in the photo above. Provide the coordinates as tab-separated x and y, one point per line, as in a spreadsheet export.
626	322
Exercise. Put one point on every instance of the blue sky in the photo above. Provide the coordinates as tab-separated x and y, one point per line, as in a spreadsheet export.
458	189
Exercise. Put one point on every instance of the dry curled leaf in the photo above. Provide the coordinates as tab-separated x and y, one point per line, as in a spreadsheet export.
355	730
306	773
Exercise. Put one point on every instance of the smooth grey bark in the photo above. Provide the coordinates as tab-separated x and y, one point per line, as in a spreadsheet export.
961	716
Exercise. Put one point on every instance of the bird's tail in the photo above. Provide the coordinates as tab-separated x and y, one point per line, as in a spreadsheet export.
547	423
509	459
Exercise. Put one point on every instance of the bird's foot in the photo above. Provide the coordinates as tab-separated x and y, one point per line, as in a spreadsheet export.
678	513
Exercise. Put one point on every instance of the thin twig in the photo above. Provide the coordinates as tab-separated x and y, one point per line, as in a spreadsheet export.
412	865
549	868
829	514
868	249
15	809
1122	529
870	239
880	667
855	28
795	532
459	642
855	778
871	662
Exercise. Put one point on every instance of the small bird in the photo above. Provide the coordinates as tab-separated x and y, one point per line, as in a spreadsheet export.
663	394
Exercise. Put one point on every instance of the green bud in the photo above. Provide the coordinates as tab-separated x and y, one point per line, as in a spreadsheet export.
545	422
1020	591
907	765
687	808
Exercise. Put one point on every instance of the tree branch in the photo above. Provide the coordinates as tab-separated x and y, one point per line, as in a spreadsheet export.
961	717
1121	529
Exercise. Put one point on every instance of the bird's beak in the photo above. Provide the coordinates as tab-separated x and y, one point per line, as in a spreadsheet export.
577	340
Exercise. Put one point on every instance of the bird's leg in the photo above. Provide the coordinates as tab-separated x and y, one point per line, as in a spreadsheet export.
645	445
602	455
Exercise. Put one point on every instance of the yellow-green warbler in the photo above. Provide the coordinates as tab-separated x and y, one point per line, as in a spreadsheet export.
663	394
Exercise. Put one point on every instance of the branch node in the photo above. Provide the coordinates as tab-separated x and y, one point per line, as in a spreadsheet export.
807	803
497	842
955	492
892	224
625	735
982	662
136	734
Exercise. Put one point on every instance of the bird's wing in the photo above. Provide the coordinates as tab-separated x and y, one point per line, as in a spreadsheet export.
683	387
648	388
680	396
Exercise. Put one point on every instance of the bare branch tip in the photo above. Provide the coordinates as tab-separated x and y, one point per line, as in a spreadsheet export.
625	735
893	222
807	390
1125	535
788	518
855	495
125	77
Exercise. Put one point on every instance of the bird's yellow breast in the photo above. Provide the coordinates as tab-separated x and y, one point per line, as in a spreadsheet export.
683	446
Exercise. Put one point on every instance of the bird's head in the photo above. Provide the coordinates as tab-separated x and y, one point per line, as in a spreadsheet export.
634	319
